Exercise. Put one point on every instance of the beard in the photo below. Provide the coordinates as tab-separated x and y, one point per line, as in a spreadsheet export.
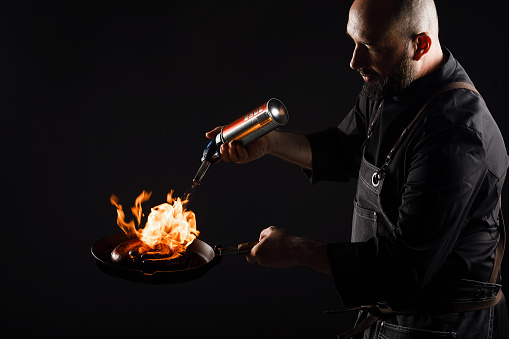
392	84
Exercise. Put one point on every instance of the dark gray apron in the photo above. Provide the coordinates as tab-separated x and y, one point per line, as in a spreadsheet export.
463	312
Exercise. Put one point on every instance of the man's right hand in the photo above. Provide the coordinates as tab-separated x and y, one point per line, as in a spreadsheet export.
234	151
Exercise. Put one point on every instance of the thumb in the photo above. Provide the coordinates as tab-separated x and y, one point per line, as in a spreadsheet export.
212	134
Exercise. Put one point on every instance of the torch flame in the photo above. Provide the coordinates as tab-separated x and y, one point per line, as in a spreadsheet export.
169	226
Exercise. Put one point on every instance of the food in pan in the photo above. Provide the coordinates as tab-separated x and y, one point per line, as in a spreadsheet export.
161	243
134	253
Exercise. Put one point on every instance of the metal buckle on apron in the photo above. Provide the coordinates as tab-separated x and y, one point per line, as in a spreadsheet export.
375	179
378	175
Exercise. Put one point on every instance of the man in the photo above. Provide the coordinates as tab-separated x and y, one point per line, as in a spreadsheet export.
425	223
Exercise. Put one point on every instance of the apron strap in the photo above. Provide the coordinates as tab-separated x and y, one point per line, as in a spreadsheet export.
499	251
443	89
376	312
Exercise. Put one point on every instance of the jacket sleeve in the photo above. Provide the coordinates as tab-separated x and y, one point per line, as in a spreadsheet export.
336	152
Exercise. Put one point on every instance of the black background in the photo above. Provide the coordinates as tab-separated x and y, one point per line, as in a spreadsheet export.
101	99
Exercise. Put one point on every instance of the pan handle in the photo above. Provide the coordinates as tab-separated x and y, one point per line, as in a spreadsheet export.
246	247
243	248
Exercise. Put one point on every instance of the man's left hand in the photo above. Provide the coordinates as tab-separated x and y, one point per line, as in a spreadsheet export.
281	249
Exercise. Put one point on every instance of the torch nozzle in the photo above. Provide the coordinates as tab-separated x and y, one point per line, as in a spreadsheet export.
210	156
201	172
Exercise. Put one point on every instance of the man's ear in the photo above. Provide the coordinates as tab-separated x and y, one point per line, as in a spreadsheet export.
421	45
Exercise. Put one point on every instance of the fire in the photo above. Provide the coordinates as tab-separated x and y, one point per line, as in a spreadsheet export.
170	228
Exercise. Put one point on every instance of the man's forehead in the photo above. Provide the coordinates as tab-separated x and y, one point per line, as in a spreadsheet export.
363	27
373	8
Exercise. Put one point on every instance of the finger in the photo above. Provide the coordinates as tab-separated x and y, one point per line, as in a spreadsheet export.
212	134
251	256
232	151
264	233
250	259
243	155
224	153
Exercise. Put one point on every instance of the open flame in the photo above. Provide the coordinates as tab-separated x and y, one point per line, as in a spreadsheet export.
170	228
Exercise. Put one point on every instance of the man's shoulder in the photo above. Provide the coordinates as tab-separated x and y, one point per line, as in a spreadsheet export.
463	107
461	117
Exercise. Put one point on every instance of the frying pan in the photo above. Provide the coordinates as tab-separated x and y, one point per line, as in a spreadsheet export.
202	258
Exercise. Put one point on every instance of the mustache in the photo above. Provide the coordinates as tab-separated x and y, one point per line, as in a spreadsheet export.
364	71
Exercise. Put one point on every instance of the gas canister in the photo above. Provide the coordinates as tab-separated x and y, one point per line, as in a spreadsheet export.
245	129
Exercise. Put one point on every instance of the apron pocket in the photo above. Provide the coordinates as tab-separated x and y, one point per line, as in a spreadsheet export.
364	225
390	331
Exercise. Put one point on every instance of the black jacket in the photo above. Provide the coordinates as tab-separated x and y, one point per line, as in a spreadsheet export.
441	190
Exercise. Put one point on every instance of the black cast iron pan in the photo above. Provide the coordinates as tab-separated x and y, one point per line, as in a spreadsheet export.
202	258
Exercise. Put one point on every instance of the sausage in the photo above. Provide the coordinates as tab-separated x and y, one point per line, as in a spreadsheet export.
179	262
135	253
123	253
161	251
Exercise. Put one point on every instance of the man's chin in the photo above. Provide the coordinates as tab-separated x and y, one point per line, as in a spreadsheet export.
377	87
373	90
372	82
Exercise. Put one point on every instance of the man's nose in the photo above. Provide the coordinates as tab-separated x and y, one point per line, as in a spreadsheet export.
359	58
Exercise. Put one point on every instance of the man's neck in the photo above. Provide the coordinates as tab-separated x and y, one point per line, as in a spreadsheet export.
433	61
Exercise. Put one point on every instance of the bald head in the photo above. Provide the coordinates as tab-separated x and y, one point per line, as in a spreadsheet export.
406	18
416	16
395	41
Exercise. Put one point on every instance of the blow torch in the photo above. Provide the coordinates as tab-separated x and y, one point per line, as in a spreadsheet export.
245	129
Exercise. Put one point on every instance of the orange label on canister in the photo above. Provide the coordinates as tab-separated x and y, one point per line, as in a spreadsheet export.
245	118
